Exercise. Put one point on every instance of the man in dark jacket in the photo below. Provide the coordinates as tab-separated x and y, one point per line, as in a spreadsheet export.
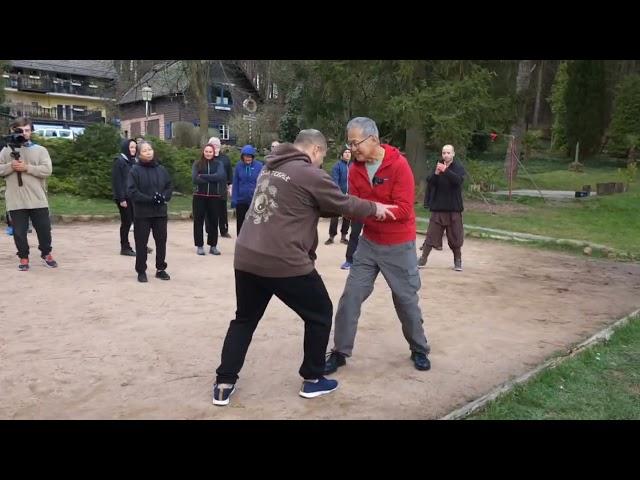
149	187
223	217
119	174
444	199
275	255
340	174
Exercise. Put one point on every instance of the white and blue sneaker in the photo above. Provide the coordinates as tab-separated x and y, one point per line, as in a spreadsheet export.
222	393
317	387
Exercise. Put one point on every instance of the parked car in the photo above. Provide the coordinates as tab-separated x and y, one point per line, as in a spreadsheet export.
56	133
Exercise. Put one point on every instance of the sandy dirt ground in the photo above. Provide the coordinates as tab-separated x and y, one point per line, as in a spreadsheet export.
87	341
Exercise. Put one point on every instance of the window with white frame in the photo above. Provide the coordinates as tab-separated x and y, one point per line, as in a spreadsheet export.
224	132
272	91
221	95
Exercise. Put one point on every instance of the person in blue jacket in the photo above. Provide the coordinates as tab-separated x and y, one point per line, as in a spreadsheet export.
339	173
245	177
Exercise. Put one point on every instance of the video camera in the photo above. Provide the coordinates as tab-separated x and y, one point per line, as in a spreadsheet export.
15	140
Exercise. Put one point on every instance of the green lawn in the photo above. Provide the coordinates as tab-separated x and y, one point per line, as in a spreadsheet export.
612	220
603	382
64	204
566	180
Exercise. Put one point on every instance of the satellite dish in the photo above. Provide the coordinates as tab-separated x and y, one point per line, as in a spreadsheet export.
250	105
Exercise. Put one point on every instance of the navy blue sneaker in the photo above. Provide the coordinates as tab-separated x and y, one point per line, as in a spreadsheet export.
222	393
49	261
345	266
315	388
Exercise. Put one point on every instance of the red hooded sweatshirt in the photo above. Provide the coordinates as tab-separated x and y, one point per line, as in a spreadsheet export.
394	185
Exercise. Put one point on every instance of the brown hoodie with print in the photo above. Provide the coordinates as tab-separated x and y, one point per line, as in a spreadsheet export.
280	233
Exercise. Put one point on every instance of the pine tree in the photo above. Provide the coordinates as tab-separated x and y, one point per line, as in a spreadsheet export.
585	104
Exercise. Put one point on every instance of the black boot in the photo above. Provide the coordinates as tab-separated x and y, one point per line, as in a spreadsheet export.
127	251
426	250
457	260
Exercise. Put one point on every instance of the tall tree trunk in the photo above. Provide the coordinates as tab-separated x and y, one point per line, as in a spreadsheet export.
536	110
415	134
198	74
415	149
523	80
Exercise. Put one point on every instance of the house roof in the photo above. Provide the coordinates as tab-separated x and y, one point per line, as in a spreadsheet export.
166	78
88	68
169	78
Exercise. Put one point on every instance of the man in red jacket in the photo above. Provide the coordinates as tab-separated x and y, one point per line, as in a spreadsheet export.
381	174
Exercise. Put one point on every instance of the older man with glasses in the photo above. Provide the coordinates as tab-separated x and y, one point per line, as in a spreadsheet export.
380	173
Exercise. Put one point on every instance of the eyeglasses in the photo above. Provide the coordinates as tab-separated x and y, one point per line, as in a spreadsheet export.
353	145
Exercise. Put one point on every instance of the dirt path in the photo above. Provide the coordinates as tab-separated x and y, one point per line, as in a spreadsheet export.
87	341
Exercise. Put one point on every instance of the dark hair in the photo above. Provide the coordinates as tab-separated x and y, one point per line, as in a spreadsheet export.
22	122
203	161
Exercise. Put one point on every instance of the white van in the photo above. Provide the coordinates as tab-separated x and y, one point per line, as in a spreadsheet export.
56	133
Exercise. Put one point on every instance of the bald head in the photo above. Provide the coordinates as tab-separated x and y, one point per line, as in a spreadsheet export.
310	137
448	153
313	143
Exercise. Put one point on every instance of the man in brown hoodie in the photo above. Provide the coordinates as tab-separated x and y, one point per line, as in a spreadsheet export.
275	255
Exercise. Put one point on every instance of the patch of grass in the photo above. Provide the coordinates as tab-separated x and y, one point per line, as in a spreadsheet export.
611	220
603	382
65	204
567	180
551	172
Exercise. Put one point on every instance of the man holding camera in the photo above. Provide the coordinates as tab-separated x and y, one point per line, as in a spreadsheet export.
380	173
25	167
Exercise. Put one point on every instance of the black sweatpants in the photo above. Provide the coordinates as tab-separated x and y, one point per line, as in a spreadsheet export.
333	226
126	219
356	228
205	207
40	221
141	229
223	216
241	212
253	294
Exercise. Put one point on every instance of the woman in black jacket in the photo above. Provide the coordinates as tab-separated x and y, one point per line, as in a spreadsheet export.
119	173
149	187
210	185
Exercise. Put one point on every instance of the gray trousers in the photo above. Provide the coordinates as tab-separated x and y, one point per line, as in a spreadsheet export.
399	266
